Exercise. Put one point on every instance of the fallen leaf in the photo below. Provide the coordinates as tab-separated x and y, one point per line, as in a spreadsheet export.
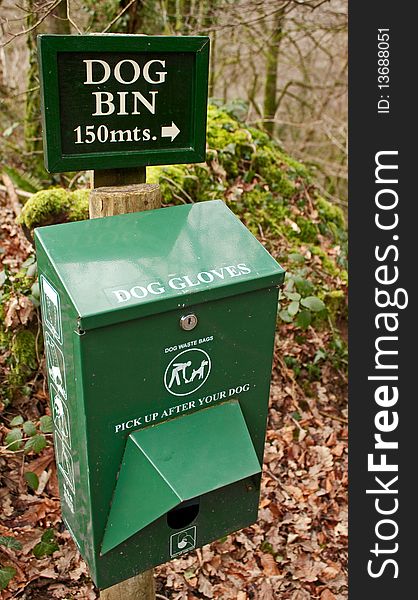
19	311
42	462
205	587
330	572
305	568
301	595
327	595
269	564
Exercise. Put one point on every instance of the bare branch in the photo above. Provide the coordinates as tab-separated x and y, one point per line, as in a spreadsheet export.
29	29
73	23
118	16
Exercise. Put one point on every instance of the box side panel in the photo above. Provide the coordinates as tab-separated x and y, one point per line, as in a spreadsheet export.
143	372
59	320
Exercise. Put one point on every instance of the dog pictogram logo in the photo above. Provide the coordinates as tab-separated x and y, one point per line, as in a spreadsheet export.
187	372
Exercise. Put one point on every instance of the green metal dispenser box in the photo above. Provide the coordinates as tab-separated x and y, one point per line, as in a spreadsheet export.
159	330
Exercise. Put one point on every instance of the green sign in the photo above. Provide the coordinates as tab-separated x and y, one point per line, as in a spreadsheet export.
122	100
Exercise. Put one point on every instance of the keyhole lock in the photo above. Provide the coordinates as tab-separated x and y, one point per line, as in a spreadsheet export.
188	322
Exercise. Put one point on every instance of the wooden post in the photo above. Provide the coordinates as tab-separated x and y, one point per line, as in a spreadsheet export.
140	587
127	197
109	201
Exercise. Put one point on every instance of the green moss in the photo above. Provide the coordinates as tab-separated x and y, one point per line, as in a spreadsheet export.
21	359
79	205
308	231
343	275
328	265
55	205
260	208
336	304
184	183
330	213
221	129
268	163
23	350
332	221
4	337
235	153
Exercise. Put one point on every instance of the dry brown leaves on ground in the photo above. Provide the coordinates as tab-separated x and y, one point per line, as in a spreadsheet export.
297	550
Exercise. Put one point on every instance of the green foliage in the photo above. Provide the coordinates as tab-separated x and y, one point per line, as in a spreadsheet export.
47	545
234	151
46	425
296	302
28	435
267	548
35	444
20	349
13	440
32	480
307	370
54	205
313	304
29	428
10	542
338	352
6	574
20	342
24	350
330	213
274	196
25	181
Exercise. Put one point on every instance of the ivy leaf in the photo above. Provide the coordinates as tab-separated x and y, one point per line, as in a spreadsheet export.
304	319
303	286
29	428
32	480
290	283
296	257
294	296
10	542
29	261
6	573
35	289
284	315
320	355
293	308
47	545
14	439
35	444
313	303
46	424
32	270
18	420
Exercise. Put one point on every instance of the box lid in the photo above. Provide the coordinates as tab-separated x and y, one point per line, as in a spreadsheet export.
119	268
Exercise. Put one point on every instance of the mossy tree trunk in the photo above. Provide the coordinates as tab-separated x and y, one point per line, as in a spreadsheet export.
56	22
272	62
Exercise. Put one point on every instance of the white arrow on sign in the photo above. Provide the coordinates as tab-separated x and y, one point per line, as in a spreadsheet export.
170	131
